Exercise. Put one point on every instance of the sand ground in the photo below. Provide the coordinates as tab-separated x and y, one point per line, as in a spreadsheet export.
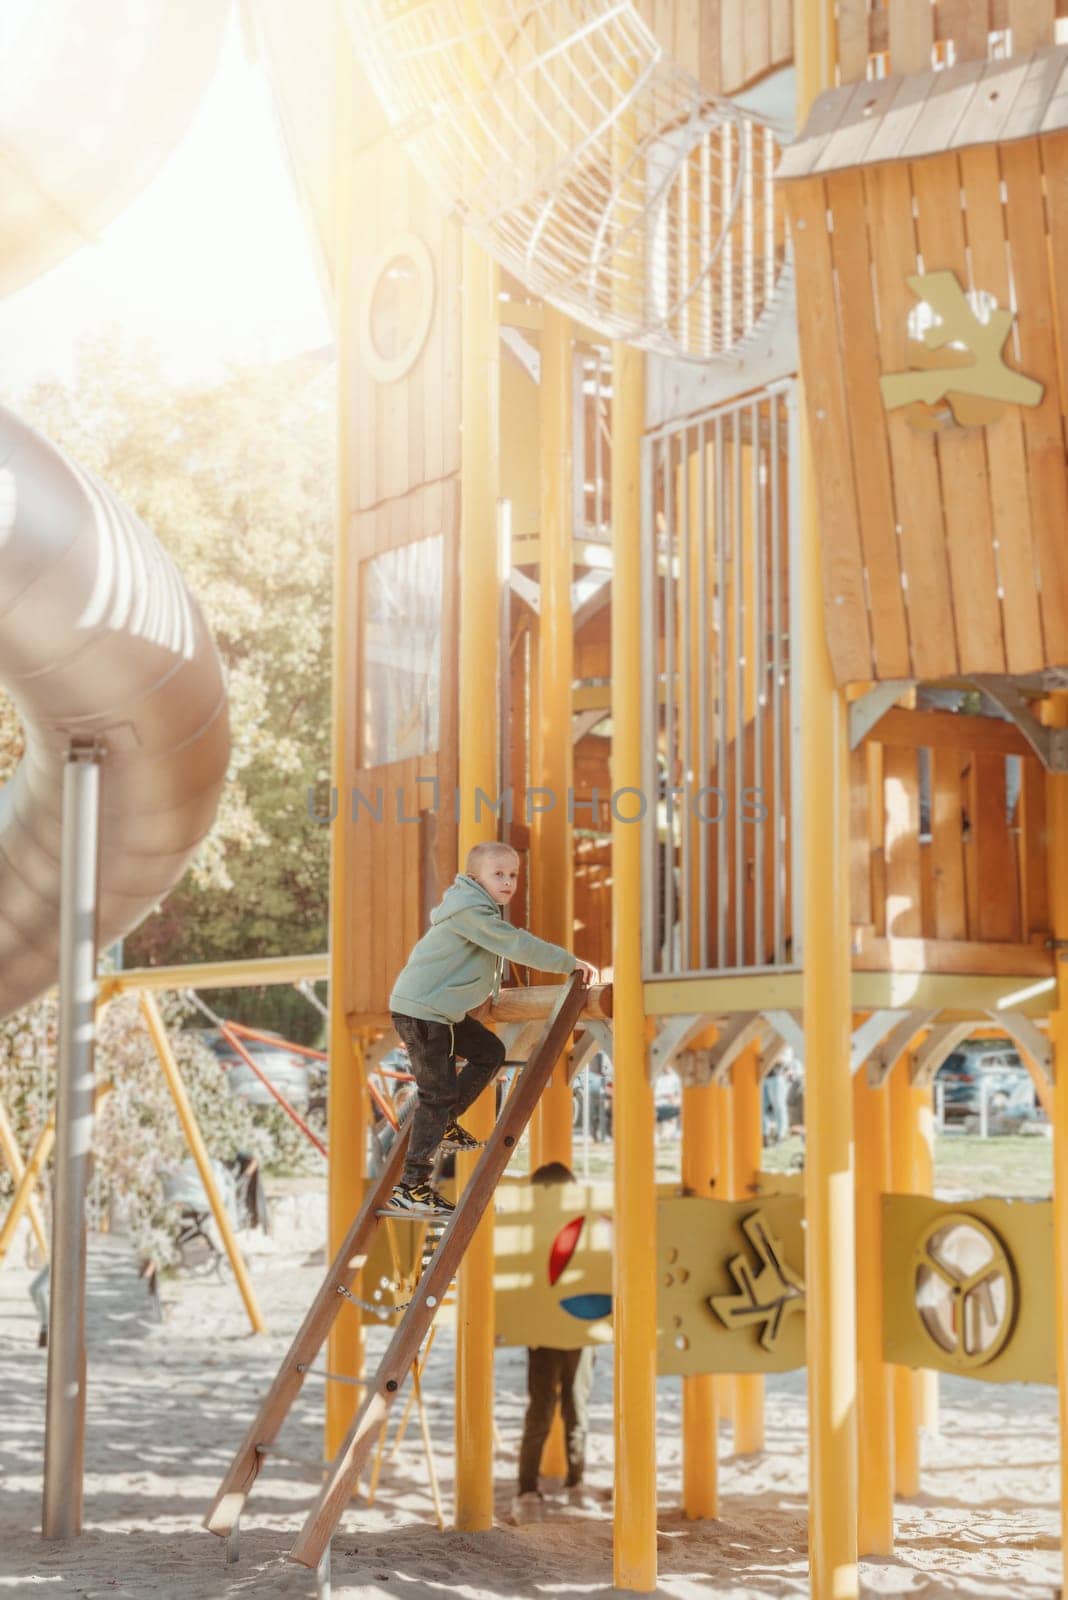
168	1402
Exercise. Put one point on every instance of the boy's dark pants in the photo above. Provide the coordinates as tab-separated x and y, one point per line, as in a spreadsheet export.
566	1375
444	1093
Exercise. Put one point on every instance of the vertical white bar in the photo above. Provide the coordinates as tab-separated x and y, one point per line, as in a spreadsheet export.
686	655
670	635
650	709
722	683
778	810
795	645
759	687
738	570
65	1403
706	656
710	343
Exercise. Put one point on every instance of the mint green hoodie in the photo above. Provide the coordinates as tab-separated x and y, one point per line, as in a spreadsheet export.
457	963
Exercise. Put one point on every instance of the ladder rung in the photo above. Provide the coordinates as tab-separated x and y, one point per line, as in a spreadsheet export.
265	1450
332	1377
414	1216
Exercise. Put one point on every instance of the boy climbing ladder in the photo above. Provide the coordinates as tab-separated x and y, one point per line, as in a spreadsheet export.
312	1545
455	967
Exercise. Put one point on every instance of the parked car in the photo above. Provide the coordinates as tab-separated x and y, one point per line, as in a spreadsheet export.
991	1070
296	1077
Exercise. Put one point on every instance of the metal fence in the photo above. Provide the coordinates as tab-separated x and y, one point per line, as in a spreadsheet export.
720	712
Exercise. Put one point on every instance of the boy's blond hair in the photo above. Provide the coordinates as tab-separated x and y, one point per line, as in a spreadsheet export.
486	851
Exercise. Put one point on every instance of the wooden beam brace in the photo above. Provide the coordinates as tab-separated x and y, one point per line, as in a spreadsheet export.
939	1044
787	1024
734	1037
870	1032
673	1035
1050	745
1029	1038
885	1056
870	708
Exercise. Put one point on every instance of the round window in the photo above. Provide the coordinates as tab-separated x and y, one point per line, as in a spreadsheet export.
398	307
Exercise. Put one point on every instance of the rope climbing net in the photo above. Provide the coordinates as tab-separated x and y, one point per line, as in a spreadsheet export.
596	172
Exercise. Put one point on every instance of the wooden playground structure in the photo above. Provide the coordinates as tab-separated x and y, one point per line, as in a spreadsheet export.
757	609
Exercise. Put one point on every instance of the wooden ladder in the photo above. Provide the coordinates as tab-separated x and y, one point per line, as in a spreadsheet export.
311	1547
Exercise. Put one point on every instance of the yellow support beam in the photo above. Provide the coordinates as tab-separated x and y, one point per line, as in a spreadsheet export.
700	1163
1057	814
198	1150
216	974
903	1180
823	780
35	1164
955	999
347	1110
554	763
479	611
15	1165
748	1157
875	1430
635	1156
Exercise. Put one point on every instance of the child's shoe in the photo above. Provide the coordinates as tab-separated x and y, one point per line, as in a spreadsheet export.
529	1507
457	1138
579	1498
418	1200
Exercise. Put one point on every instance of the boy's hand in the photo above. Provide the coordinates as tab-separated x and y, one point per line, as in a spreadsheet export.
590	974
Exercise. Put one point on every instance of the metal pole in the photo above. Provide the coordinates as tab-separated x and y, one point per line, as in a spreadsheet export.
65	1413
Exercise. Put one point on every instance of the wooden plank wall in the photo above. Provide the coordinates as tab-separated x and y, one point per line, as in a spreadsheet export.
912	35
405	455
726	45
942	543
966	891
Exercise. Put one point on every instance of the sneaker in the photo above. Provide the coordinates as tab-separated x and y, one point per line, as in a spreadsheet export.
579	1498
529	1507
457	1138
418	1200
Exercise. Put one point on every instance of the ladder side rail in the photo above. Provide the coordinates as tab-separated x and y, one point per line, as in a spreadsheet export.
308	1341
347	1465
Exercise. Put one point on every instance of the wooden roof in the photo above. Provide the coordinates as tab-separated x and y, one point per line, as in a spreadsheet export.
928	113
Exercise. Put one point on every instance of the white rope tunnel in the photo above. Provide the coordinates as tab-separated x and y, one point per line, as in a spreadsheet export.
599	174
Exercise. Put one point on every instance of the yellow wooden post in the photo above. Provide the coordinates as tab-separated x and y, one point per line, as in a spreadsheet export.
347	1100
1057	813
198	1150
479	612
875	1427
724	1096
13	1159
748	1158
700	1156
923	1176
23	1194
35	1163
635	1157
830	1260
906	1382
554	750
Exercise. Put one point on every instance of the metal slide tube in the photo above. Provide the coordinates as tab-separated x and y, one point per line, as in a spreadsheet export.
65	1418
100	642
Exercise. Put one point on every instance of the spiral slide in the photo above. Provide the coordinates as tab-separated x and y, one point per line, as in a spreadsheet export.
101	643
